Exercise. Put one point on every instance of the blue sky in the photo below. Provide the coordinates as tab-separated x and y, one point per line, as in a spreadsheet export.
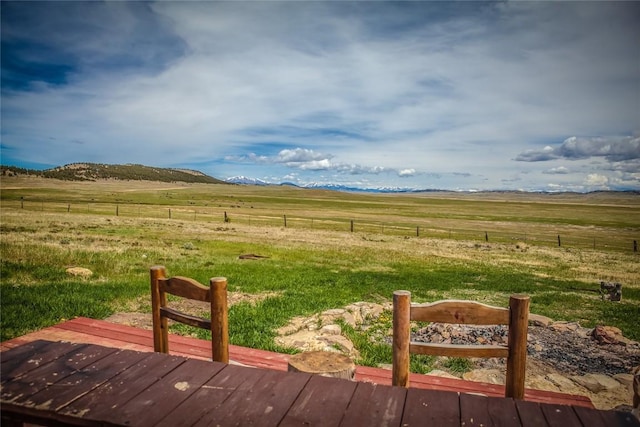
429	95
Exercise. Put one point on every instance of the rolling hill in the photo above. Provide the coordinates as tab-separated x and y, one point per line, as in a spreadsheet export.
99	171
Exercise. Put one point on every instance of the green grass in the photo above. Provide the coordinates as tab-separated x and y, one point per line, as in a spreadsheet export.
458	365
311	268
28	308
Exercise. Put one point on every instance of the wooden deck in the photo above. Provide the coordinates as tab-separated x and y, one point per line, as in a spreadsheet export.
84	330
71	384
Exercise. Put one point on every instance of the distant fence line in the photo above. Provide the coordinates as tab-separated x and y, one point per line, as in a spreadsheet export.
215	214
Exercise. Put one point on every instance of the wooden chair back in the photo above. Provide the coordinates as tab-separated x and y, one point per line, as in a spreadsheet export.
465	312
215	294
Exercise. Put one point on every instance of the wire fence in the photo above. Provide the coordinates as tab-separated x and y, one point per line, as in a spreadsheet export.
598	238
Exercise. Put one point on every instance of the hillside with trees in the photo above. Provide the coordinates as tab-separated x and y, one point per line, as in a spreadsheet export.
100	171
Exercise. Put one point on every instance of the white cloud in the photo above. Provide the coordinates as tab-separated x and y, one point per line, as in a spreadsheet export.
613	148
561	170
596	180
300	155
391	91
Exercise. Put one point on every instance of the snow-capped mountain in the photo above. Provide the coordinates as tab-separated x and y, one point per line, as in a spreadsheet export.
335	187
246	180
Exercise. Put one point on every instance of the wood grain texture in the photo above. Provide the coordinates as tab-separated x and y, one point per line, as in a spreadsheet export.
85	330
91	385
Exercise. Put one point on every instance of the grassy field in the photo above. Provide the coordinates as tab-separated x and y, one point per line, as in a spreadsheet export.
479	246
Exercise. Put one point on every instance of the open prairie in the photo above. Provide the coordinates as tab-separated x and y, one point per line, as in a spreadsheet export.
323	250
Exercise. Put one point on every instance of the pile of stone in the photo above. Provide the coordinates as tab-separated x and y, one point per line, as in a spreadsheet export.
563	356
440	333
323	331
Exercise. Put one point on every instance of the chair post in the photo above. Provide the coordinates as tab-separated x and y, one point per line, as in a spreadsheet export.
219	320
401	337
517	359
159	299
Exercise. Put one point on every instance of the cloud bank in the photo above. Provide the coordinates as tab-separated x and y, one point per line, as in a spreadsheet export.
459	95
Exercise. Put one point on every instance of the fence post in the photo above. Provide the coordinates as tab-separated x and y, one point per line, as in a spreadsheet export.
486	236
352	226
169	213
285	221
559	243
117	210
22	202
68	208
635	246
418	231
226	218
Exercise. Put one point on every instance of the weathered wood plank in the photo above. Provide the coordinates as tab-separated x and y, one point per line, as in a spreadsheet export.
204	404
180	345
430	407
530	414
594	418
503	412
264	403
109	397
74	386
158	400
474	410
19	361
373	405
561	415
21	389
94	385
128	337
322	403
11	359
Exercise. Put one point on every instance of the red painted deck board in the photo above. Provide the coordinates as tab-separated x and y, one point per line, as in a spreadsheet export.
84	330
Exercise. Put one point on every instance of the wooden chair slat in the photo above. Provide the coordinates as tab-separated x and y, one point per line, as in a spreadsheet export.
187	319
185	287
215	295
459	350
458	311
465	312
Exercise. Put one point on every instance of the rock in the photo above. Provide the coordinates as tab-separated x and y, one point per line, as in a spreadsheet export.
79	271
294	325
624	379
491	376
589	383
607	335
330	316
335	312
596	382
583	332
441	373
539	320
562	326
356	312
540	382
562	382
608	382
331	329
